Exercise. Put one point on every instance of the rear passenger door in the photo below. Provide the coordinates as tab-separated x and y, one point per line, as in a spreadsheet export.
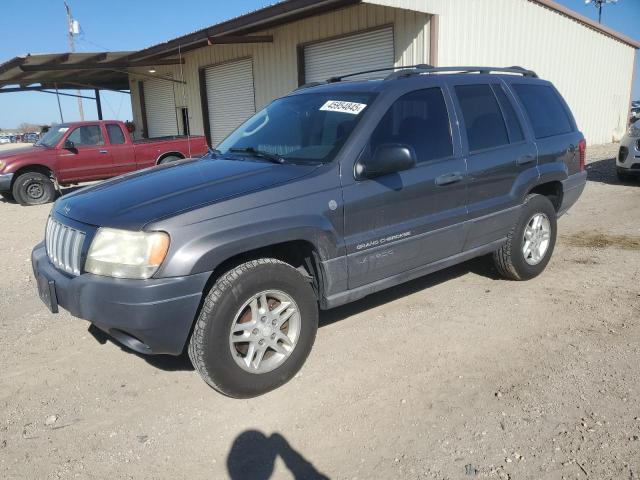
401	221
501	158
121	152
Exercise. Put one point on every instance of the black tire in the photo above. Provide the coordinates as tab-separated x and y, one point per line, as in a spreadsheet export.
169	159
209	348
8	196
510	259
33	188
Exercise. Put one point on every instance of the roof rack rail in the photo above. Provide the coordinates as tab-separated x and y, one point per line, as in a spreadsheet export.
375	70
422	69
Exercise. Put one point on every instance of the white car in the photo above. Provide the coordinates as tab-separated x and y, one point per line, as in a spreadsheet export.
628	161
4	140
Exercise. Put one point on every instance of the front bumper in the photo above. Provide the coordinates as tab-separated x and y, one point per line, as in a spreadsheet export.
572	188
5	182
628	157
149	316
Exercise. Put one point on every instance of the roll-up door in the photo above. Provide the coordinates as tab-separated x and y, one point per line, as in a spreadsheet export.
354	53
160	107
230	97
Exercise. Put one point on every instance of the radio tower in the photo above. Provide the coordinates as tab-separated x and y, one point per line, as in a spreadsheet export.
72	30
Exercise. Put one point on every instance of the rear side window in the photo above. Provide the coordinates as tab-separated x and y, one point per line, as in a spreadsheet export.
510	117
544	108
483	120
116	137
418	119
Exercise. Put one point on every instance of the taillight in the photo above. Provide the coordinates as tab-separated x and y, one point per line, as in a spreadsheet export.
582	148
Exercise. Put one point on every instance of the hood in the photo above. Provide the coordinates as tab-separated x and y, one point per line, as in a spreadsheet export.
19	152
134	200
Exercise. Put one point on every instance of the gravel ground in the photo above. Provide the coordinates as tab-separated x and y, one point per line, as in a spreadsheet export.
455	375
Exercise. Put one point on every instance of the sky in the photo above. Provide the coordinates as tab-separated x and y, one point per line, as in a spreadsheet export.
135	24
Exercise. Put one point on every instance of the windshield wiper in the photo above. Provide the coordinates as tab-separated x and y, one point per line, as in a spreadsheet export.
272	157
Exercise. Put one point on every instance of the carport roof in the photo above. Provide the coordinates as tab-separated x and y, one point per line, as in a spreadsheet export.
96	70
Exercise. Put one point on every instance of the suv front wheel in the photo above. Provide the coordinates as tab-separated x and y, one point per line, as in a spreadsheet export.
530	242
255	329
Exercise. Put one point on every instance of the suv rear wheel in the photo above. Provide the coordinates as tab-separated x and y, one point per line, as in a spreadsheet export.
530	242
255	329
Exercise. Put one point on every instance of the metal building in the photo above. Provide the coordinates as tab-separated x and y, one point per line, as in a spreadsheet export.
227	71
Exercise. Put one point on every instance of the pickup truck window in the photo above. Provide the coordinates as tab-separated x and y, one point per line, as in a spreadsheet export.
116	137
418	119
87	135
53	136
303	128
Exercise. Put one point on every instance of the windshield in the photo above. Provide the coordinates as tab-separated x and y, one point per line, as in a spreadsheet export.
306	128
53	136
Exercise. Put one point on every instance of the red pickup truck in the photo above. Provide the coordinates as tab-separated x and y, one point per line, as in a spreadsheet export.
71	153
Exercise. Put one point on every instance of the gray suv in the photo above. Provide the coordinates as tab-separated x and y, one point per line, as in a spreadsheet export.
331	193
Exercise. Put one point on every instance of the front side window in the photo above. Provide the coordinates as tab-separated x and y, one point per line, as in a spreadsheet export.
483	119
86	136
418	119
116	137
303	128
544	108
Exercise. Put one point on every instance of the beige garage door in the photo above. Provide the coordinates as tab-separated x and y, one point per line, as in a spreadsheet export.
354	53
160	107
230	97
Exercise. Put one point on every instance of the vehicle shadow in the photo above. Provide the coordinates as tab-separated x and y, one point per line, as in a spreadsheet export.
604	171
253	456
482	266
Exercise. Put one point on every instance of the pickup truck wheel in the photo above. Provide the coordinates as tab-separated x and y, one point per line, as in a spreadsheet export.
33	188
255	329
530	242
169	159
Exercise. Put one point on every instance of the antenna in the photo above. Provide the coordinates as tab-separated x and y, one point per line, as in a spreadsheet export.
73	28
598	4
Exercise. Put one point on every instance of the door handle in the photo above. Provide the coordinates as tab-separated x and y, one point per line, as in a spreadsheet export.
104	151
448	178
523	160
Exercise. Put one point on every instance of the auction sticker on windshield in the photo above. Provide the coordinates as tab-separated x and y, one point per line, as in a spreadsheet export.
344	107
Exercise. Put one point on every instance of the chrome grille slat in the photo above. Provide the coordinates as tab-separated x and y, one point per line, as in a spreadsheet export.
64	246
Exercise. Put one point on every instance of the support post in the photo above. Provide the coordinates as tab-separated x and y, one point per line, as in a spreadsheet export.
98	104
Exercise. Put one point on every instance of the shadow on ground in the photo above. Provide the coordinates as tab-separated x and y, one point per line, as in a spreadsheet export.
253	456
604	171
480	266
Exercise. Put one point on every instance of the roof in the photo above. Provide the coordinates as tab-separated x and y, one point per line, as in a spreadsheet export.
291	10
95	70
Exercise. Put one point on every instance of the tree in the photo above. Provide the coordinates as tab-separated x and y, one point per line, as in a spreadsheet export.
28	127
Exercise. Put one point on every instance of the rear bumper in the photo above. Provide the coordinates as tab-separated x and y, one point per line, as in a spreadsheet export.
5	182
149	316
572	188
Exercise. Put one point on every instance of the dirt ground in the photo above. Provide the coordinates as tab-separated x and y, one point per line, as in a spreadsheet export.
456	375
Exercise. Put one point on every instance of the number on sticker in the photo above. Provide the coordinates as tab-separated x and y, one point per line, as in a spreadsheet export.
353	108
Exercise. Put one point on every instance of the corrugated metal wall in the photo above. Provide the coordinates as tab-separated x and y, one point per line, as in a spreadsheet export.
275	64
592	71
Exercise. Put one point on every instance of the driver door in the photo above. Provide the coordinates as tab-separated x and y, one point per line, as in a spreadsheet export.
88	159
401	221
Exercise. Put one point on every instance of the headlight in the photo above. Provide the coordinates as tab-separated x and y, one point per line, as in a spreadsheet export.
125	254
634	130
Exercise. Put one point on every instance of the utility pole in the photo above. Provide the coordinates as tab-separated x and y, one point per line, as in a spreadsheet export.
598	4
73	28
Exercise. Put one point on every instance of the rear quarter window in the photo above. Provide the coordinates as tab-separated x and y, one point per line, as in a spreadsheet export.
544	109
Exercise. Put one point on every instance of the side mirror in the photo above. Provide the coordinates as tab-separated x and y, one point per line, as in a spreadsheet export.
69	145
387	158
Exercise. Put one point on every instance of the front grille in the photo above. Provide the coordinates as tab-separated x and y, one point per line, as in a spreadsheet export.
64	246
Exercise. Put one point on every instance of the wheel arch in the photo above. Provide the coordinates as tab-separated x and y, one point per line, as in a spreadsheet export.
552	189
33	167
180	155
